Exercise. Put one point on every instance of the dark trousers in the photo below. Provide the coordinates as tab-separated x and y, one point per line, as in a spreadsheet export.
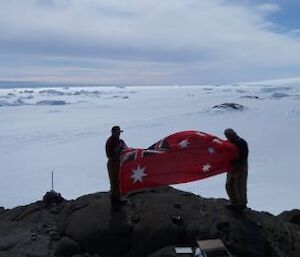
236	184
113	168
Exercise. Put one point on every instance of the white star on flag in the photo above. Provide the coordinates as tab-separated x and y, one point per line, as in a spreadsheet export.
211	150
138	174
184	143
218	141
206	168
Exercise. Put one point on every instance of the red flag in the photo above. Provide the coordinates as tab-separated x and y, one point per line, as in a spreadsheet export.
182	157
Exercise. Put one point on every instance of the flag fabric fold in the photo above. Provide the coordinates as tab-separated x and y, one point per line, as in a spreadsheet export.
179	158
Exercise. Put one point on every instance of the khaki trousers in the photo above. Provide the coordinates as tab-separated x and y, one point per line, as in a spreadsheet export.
236	184
113	168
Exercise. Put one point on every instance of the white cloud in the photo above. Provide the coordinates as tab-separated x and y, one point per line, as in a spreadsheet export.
269	8
295	33
185	40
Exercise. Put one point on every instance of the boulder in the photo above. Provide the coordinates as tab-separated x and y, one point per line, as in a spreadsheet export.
150	223
165	217
66	247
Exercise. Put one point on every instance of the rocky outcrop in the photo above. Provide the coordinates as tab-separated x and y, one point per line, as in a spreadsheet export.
229	106
292	216
150	223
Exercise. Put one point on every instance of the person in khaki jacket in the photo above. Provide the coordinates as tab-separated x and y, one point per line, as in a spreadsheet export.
236	183
114	146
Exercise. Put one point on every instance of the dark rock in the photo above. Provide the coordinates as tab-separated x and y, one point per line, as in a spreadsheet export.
66	247
223	226
54	235
6	245
152	224
135	218
177	205
168	251
96	227
34	236
295	219
229	106
292	216
22	213
250	97
245	234
53	198
51	102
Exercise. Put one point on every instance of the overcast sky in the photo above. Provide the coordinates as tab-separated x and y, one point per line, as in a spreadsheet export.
149	41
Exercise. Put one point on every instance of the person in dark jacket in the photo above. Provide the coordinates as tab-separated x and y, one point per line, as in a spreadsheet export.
114	146
236	183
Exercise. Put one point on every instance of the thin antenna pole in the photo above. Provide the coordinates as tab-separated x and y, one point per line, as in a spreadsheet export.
52	180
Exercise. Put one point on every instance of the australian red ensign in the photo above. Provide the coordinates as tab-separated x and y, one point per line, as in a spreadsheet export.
181	157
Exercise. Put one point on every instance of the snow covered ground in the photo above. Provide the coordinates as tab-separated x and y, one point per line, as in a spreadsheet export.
64	130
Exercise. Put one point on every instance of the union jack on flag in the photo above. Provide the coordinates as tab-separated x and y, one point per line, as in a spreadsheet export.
181	157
